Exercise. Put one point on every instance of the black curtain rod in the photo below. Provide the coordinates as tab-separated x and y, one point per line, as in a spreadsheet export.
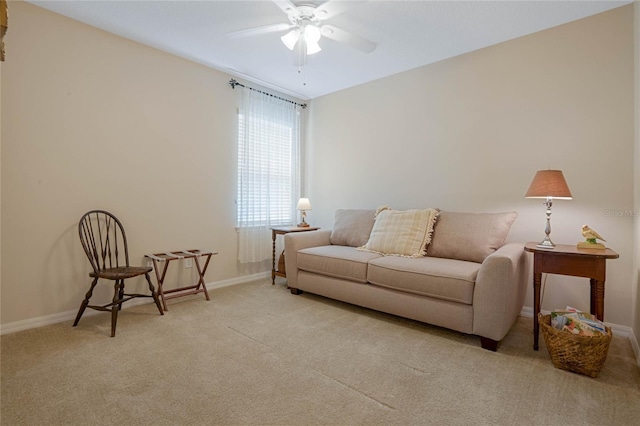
233	83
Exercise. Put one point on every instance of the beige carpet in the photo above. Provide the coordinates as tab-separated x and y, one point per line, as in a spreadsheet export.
256	354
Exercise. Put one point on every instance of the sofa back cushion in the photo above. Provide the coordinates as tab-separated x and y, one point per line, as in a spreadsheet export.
401	232
352	227
469	236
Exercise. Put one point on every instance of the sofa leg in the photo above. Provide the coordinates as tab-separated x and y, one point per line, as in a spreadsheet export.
489	344
295	290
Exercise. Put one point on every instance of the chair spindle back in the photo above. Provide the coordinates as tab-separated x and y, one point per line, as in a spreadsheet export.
104	240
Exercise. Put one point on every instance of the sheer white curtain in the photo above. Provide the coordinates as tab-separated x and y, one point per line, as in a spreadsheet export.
268	171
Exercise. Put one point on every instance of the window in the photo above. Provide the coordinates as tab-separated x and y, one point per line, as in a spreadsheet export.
265	158
268	171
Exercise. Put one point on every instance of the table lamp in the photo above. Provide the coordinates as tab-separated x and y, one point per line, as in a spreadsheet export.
303	206
549	184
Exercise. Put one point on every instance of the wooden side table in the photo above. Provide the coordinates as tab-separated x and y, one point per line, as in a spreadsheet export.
281	230
569	260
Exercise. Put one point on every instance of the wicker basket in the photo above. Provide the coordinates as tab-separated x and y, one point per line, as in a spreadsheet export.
281	264
580	354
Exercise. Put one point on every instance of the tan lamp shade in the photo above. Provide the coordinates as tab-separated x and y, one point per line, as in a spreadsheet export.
549	184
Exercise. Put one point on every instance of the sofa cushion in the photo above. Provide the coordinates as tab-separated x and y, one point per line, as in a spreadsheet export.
352	227
401	233
446	279
469	236
336	261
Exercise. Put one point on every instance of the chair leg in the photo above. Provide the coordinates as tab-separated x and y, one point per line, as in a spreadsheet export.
121	294
115	307
154	294
85	302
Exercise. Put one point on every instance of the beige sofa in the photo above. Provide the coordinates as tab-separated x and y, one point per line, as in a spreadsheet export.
469	280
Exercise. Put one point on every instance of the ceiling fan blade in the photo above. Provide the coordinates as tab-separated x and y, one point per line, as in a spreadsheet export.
352	40
265	29
287	7
332	8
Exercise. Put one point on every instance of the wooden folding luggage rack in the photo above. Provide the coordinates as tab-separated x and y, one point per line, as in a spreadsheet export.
166	258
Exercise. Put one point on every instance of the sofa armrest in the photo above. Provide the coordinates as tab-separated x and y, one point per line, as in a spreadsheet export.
499	291
295	241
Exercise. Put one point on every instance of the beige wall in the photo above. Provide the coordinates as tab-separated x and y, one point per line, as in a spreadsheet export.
1	63
91	120
469	133
636	256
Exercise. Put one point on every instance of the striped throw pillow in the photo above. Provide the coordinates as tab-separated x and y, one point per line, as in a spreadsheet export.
404	233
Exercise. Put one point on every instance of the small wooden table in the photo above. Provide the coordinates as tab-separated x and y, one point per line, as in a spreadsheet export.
281	230
569	260
199	287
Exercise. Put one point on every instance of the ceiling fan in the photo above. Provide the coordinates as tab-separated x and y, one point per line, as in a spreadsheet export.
306	27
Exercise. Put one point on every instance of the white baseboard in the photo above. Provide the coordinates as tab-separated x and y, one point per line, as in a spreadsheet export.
635	346
616	329
27	324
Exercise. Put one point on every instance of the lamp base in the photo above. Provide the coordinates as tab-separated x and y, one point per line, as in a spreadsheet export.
546	243
304	223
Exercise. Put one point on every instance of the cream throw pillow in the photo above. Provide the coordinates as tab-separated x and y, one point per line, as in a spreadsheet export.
401	233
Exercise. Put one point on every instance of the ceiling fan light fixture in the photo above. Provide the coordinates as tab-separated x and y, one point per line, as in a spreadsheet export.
312	47
312	34
290	39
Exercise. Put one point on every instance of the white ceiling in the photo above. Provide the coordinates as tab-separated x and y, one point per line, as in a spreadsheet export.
408	34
